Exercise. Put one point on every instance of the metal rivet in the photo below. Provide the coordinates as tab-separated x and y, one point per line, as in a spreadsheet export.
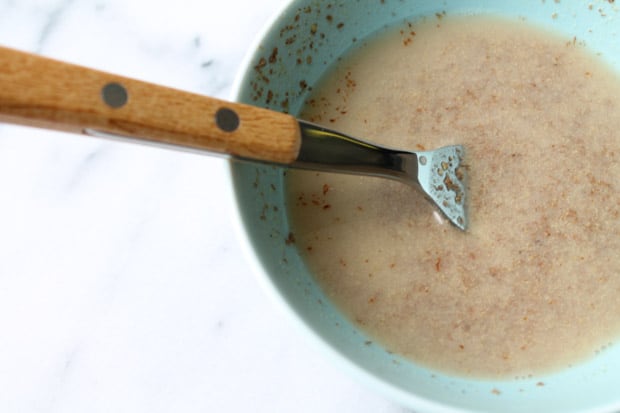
423	160
227	119
114	95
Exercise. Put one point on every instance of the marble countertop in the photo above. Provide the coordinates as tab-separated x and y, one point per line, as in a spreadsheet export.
123	287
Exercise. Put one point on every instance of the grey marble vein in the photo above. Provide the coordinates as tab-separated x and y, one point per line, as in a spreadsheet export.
91	160
53	20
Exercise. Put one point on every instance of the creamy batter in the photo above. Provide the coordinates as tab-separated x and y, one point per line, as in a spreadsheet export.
533	285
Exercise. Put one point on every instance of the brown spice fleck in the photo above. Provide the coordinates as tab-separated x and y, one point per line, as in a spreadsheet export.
450	186
290	239
274	55
438	264
261	63
325	189
459	173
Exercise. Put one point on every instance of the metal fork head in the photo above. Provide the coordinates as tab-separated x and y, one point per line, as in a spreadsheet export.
438	173
441	176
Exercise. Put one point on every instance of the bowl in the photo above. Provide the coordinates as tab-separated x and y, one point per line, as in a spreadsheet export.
294	52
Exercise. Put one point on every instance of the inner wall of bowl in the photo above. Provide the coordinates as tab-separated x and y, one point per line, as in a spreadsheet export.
293	55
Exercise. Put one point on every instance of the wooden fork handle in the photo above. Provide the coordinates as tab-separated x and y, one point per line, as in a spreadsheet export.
38	91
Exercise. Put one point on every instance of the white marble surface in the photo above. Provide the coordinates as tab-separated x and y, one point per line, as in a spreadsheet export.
123	287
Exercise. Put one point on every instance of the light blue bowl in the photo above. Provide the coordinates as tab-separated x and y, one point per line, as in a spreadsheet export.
296	51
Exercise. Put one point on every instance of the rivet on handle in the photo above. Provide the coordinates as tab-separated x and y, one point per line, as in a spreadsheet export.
227	119
114	95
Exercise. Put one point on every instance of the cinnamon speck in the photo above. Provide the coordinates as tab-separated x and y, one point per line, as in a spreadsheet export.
274	55
261	63
290	239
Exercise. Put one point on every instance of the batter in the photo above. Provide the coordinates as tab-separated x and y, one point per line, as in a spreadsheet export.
533	285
